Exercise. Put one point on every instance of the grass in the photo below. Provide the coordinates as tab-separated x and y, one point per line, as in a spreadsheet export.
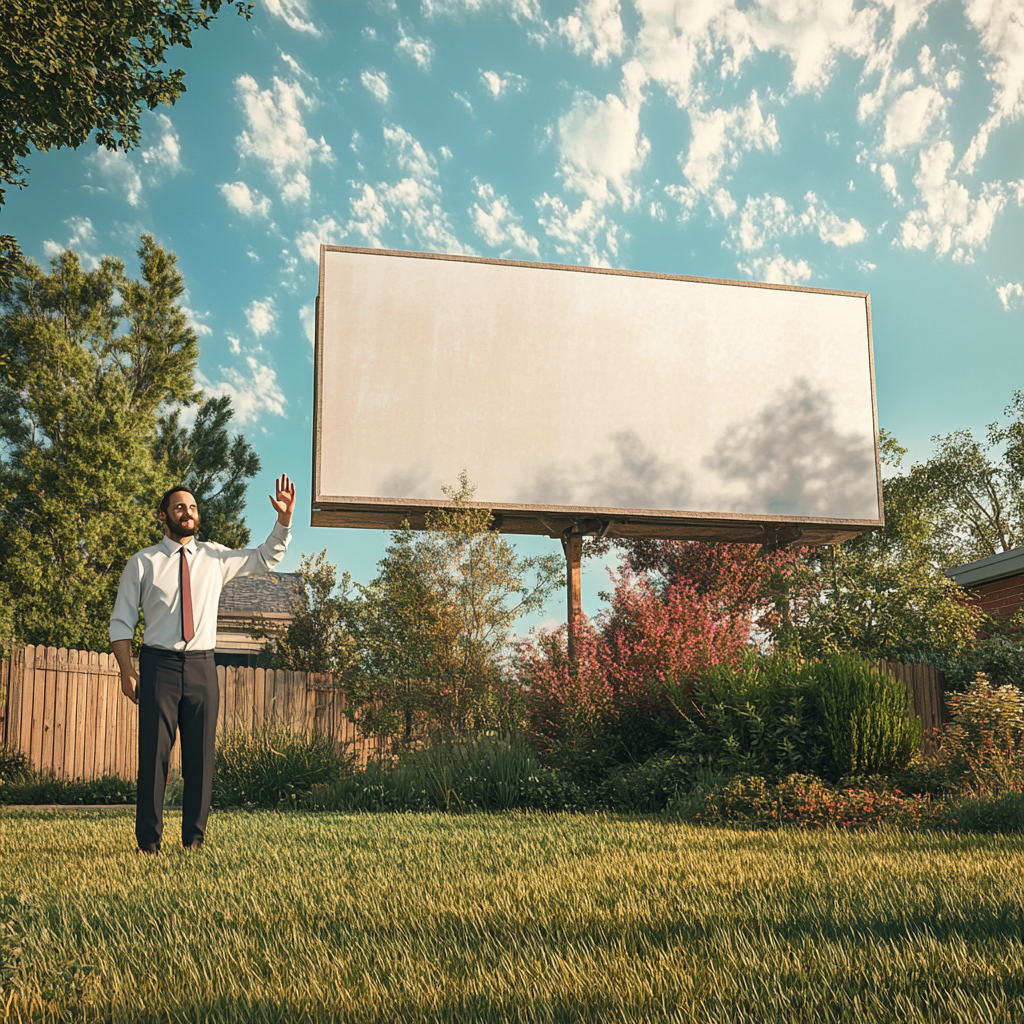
511	917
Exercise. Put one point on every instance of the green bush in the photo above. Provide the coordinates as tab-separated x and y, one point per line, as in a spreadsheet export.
272	767
866	717
763	720
1002	813
488	773
14	765
35	787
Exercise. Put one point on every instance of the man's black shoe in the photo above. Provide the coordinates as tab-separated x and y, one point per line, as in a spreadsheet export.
150	848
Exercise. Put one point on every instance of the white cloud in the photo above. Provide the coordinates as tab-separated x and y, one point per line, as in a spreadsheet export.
677	38
118	169
369	217
1001	24
262	316
680	41
888	173
585	235
195	321
82	234
687	198
163	158
235	344
420	51
600	143
497	224
950	220
252	393
376	83
723	203
247	201
831	228
327	232
528	10
498	85
125	175
813	33
307	317
464	100
411	204
294	13
718	137
866	266
764	218
771	217
777	270
595	27
275	134
910	118
1010	295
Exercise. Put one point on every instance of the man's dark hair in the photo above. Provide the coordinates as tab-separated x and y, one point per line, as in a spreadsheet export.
165	501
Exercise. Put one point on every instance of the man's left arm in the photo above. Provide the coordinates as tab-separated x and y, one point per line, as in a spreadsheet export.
252	561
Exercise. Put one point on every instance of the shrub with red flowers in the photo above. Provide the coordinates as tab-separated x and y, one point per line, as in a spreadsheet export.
613	705
806	802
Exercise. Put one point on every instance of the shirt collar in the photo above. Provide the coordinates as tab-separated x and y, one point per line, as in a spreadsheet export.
172	547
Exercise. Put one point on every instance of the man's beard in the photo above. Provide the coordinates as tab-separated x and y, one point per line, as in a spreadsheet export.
184	531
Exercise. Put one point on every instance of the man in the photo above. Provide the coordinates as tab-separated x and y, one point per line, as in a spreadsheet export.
177	584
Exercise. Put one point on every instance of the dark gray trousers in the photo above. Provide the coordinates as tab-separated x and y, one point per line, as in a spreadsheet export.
178	692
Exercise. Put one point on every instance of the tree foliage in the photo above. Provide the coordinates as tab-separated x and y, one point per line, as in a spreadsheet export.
426	641
884	594
72	67
215	465
317	639
977	489
90	360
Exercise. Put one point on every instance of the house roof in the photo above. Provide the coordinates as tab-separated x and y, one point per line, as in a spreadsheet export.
987	570
275	593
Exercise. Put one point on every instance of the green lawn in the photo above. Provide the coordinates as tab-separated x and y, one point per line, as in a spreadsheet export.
330	917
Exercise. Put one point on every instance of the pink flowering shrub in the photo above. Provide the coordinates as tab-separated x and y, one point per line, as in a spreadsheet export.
615	705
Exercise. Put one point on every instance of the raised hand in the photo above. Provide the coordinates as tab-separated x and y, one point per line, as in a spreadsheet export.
284	503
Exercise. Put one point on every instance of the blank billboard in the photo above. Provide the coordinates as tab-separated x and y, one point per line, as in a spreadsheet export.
652	405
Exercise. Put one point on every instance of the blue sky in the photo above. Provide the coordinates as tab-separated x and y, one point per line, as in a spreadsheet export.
872	146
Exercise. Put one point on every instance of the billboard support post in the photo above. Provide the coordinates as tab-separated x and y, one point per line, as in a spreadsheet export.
572	545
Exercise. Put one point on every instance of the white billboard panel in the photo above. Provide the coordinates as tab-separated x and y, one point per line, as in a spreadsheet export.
663	406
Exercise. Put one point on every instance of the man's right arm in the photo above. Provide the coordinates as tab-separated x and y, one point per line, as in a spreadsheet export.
129	674
122	626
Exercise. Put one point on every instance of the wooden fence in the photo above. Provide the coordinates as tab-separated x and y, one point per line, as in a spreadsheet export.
927	687
65	709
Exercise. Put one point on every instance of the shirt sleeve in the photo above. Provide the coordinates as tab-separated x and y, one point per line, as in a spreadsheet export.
125	615
253	561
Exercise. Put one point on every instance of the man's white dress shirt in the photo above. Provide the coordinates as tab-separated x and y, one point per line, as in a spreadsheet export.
152	581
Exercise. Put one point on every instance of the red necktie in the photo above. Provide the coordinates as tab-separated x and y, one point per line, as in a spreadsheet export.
188	629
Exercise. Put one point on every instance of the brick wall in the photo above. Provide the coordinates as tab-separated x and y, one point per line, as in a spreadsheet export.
1001	598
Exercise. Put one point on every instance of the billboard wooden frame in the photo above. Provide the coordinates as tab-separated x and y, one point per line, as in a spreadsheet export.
370	512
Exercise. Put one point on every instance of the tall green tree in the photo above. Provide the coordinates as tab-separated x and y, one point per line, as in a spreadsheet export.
884	594
977	487
214	464
90	361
